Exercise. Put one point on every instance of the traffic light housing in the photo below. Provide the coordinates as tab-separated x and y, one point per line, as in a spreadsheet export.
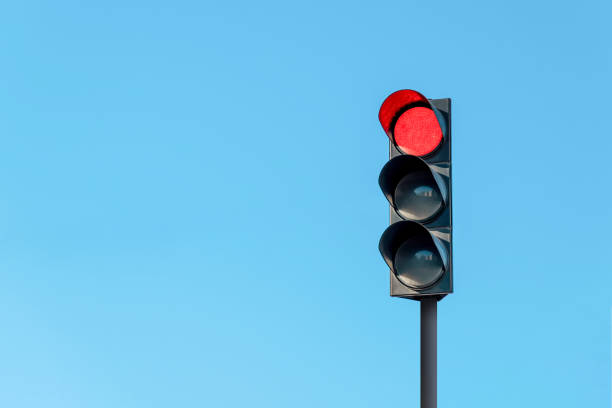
417	245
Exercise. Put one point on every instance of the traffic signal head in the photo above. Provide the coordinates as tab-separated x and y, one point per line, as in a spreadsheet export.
417	183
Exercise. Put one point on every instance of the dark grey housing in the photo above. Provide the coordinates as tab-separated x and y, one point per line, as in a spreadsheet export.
430	226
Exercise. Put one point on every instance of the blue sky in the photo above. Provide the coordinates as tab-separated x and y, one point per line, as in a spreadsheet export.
190	212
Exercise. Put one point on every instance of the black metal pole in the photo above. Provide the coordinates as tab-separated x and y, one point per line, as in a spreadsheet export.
429	353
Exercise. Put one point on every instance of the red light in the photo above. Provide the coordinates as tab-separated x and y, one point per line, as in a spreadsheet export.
417	131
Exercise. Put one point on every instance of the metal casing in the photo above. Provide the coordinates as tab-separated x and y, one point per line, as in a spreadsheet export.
439	161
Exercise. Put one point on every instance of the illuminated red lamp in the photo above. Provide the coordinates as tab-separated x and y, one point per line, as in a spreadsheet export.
411	123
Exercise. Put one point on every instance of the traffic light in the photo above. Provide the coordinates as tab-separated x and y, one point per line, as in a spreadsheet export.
417	245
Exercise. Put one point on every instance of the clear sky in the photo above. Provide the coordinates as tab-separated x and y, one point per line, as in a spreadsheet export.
190	214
